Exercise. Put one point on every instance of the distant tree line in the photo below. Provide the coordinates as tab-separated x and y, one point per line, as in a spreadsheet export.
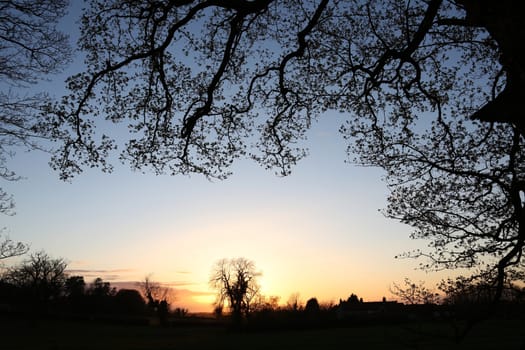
460	304
463	298
40	286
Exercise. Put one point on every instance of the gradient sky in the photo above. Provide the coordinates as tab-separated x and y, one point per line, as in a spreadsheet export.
317	232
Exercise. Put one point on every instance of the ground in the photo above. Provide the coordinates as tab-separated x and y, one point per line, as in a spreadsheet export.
60	334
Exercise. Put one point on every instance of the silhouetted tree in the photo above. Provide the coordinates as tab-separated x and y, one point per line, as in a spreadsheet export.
353	299
432	87
99	288
75	294
100	296
479	289
30	48
312	306
235	281
163	311
129	301
40	275
460	186
412	293
472	298
75	287
158	297
154	293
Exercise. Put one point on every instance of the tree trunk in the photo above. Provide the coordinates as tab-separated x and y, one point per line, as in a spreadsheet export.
503	19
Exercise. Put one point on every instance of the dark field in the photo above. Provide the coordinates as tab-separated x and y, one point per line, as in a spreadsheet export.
501	334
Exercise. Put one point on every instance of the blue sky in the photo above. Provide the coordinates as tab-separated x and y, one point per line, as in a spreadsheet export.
317	232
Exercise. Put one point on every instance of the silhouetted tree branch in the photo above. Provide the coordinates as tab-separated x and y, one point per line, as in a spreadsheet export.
10	248
30	48
411	293
460	185
191	78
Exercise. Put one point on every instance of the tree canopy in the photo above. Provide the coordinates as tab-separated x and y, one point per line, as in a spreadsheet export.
195	81
430	91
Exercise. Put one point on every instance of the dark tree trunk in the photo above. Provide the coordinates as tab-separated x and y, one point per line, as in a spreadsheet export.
504	20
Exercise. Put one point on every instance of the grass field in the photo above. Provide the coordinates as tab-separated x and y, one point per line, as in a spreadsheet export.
96	336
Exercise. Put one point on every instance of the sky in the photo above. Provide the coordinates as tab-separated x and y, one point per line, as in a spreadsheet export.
317	232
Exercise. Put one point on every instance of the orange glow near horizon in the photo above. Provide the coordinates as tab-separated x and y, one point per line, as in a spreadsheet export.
293	263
